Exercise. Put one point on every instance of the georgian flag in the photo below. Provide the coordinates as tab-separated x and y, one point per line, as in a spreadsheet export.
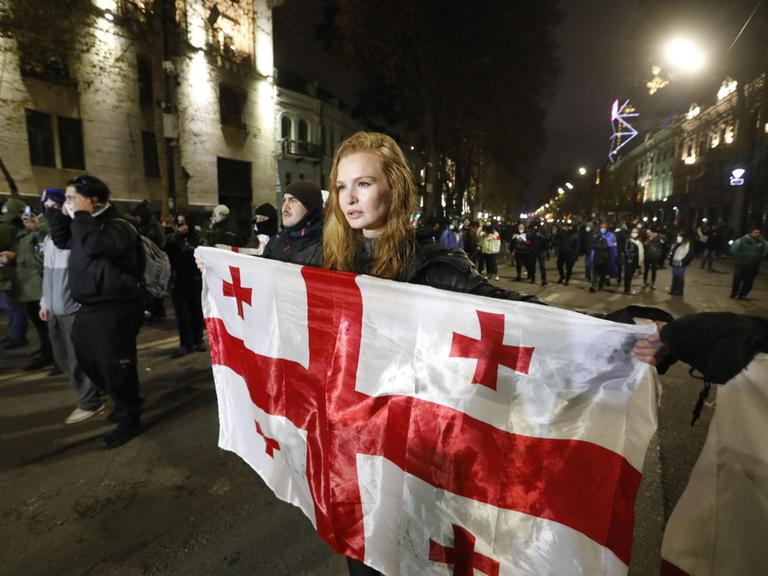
430	432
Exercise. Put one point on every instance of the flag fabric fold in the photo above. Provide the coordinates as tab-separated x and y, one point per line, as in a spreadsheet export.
430	432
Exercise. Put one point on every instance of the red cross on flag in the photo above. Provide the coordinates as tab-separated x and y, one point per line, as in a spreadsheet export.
430	432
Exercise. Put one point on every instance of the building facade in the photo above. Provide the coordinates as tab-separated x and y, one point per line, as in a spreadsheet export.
167	100
707	164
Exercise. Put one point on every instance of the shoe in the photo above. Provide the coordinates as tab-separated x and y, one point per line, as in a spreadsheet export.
35	352
11	344
37	363
593	290
733	297
565	282
120	435
533	280
79	415
496	277
201	347
544	283
560	280
181	351
518	279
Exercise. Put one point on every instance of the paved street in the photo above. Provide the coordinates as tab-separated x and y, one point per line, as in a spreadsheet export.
170	502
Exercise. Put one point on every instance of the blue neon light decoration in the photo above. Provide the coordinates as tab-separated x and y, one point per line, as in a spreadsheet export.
623	131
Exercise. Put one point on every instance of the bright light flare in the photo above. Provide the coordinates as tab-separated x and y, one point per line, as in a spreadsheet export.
684	55
569	185
582	171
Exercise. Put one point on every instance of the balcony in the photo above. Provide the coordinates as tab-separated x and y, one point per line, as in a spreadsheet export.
302	149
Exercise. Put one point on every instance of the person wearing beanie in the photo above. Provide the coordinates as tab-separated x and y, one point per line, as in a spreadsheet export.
10	226
301	240
105	279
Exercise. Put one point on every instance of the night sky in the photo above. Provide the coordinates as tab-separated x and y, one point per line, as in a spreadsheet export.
578	123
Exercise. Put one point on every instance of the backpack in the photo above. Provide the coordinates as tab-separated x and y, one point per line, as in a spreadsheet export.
154	264
156	268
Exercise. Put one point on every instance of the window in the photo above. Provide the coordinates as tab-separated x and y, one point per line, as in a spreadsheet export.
303	131
231	106
285	128
40	136
288	178
151	161
71	143
144	66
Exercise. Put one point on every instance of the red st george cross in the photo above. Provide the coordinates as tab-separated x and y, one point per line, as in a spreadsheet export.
271	443
490	350
236	291
463	556
579	484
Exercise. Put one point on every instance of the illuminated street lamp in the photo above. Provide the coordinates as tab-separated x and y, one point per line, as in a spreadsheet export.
684	55
560	191
569	185
582	171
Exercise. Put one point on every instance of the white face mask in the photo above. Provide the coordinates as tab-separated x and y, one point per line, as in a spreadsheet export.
255	227
588	229
679	239
633	235
603	230
69	210
520	229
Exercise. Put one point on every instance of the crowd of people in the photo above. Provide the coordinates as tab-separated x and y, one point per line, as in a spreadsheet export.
626	254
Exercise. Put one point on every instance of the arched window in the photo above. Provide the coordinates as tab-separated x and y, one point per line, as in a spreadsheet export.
303	131
285	128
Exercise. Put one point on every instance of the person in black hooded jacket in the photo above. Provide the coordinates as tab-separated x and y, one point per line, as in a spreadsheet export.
105	270
301	240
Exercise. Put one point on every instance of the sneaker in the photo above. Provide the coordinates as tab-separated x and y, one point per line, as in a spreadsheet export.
201	347
565	282
180	351
544	283
592	289
79	415
496	277
120	435
37	363
11	344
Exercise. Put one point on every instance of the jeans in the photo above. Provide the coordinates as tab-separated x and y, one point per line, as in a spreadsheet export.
17	320
678	280
60	331
708	258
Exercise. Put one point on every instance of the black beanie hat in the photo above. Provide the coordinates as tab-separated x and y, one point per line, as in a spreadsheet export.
308	193
267	210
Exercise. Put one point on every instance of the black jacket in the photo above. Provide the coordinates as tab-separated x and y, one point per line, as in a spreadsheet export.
226	232
299	244
568	244
105	263
181	253
631	252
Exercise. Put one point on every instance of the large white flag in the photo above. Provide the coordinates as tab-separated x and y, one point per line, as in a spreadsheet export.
431	432
720	524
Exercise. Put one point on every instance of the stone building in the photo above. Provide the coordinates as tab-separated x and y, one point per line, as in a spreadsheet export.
707	164
167	100
310	125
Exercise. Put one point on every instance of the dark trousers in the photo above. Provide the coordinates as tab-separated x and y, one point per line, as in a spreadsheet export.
541	258
678	280
490	264
629	272
599	272
527	261
565	264
189	315
33	313
357	568
649	266
17	321
743	278
104	336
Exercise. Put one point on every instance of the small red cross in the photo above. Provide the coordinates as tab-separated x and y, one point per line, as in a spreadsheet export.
490	351
272	444
463	556
237	291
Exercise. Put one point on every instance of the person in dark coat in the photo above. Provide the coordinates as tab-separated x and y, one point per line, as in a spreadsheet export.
680	255
654	249
585	246
568	248
264	224
301	240
604	257
224	229
539	246
186	286
748	253
105	274
522	254
632	257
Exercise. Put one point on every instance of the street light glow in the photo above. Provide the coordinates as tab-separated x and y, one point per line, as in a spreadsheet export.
569	185
684	55
583	171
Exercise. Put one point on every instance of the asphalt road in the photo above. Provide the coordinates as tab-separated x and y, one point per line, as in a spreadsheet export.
171	503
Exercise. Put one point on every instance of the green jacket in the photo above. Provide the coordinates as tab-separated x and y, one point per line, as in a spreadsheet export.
8	242
748	251
29	263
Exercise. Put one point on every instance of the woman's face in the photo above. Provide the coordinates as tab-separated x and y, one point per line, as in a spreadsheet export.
363	193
